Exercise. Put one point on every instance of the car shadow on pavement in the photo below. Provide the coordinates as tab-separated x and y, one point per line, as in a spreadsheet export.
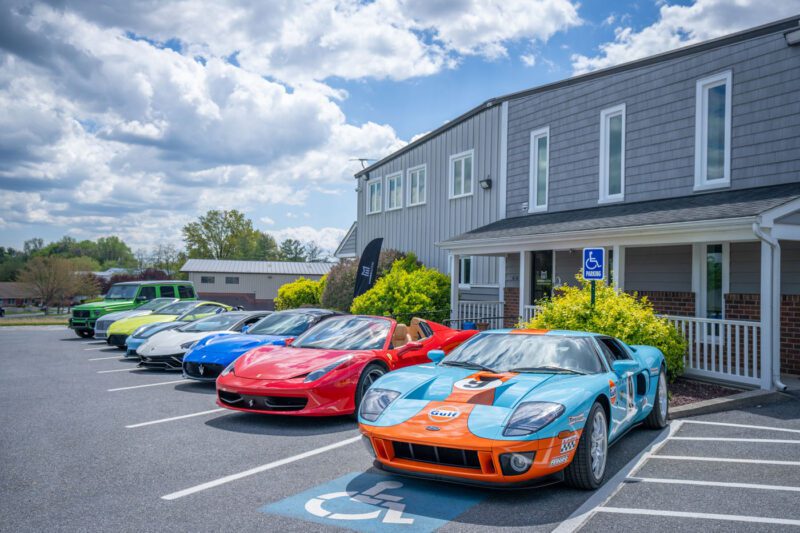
282	425
197	387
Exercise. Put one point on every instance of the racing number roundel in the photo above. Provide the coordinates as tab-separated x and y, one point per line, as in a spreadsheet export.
473	384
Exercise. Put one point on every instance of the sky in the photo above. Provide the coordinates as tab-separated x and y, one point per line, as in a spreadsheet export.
132	118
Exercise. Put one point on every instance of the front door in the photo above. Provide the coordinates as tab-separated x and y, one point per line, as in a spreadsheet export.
542	283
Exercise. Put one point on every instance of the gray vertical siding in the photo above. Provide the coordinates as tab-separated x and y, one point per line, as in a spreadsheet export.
568	263
264	286
790	267
659	268
745	267
419	228
660	126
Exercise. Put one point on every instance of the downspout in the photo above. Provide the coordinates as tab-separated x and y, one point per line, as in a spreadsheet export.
776	368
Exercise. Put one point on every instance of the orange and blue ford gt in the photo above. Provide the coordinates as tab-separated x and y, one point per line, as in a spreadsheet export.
515	408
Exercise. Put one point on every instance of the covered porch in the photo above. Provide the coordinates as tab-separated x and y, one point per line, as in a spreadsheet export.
730	284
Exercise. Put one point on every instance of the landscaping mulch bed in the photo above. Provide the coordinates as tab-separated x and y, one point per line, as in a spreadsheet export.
685	391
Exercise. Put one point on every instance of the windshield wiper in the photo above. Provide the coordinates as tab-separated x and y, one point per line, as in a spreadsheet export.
546	369
474	366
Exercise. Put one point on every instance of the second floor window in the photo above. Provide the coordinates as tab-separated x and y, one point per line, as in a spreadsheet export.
374	197
416	185
461	174
713	132
612	154
539	169
394	191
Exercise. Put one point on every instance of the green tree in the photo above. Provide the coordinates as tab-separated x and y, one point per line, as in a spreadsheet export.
292	250
258	246
56	280
32	246
302	292
220	235
113	252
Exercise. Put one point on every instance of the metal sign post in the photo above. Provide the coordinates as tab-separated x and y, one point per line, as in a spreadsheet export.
594	266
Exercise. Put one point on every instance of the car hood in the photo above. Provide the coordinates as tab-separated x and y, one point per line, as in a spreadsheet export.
223	349
126	326
104	305
119	315
285	362
169	342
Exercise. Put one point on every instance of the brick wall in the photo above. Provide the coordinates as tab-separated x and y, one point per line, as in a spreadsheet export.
511	297
742	306
671	303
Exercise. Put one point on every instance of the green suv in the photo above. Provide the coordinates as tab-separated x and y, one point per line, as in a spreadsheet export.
125	296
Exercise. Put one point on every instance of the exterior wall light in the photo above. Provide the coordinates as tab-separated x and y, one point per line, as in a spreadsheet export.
486	183
792	37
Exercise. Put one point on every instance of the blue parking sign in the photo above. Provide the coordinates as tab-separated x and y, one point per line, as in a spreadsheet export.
594	264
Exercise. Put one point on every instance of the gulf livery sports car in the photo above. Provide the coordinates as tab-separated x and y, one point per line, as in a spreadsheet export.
212	354
328	369
515	407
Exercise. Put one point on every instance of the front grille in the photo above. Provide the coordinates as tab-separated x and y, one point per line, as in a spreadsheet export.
163	361
117	340
436	455
263	403
102	324
210	370
81	314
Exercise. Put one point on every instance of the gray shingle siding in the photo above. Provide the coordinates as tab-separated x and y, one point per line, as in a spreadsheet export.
660	126
659	268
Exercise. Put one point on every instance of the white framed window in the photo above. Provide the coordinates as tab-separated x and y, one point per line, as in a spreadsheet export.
465	272
612	154
417	185
539	170
394	191
374	198
461	174
712	144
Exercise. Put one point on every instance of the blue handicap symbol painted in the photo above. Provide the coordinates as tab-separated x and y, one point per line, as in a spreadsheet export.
594	264
370	502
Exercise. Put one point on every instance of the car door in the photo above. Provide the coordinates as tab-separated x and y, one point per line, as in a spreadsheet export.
622	389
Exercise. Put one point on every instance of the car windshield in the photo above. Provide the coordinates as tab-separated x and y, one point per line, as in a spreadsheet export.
122	292
286	324
155	303
220	322
177	308
346	333
155	328
519	352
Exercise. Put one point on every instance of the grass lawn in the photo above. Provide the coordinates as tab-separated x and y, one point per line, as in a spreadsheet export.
35	321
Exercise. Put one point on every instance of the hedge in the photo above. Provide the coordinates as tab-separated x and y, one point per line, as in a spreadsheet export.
302	292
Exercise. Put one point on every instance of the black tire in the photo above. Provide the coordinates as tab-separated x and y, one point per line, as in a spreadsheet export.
84	333
370	373
580	473
658	417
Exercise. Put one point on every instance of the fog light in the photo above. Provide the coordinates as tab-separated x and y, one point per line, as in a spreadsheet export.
368	445
514	464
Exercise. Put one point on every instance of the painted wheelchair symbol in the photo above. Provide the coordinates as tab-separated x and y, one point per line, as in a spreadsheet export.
592	263
372	496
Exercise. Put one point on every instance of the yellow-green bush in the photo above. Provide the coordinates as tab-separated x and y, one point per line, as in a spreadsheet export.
617	314
302	292
407	290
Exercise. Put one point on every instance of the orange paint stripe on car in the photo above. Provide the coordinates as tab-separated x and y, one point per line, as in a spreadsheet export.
529	331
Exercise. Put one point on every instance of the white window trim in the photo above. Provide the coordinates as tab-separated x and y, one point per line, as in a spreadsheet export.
452	176
700	266
399	177
606	114
369	196
408	185
534	171
461	260
701	127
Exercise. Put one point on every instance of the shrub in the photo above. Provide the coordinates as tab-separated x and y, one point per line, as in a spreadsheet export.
302	292
338	293
617	314
407	290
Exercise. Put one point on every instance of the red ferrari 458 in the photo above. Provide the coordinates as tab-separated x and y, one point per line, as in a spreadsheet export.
327	369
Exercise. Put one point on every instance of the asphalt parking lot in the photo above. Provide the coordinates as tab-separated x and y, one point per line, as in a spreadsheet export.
89	443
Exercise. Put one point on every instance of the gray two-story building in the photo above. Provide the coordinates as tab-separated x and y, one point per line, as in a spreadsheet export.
684	166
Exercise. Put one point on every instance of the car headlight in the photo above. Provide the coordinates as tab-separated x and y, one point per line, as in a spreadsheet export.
375	402
138	331
188	345
228	369
316	374
530	417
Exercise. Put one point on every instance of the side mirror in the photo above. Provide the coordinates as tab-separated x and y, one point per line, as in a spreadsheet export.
436	356
246	328
409	346
624	367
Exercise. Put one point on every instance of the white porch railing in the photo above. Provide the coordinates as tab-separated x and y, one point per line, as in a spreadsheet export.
722	349
488	313
529	312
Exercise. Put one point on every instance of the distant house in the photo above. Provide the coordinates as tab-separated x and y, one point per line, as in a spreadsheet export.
15	294
251	284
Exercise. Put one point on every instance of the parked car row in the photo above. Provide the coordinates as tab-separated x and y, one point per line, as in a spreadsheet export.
496	408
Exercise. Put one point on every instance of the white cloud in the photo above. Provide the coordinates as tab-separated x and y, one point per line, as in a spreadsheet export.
528	60
680	25
326	238
267	220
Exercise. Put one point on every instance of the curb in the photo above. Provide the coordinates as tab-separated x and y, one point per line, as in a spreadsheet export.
726	403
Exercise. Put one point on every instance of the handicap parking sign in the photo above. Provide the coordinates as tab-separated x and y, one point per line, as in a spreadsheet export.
594	267
377	502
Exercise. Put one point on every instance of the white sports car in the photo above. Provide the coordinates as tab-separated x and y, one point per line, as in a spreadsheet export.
165	349
103	323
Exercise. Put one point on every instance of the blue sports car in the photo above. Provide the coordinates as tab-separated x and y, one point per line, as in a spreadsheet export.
515	407
212	354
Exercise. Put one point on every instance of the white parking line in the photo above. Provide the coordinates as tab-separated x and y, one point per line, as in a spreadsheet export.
706	516
736	439
117	370
713	484
728	424
107	358
724	460
150	385
95	349
201	413
258	469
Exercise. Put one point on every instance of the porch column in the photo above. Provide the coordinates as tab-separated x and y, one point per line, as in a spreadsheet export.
455	274
770	314
524	281
618	267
